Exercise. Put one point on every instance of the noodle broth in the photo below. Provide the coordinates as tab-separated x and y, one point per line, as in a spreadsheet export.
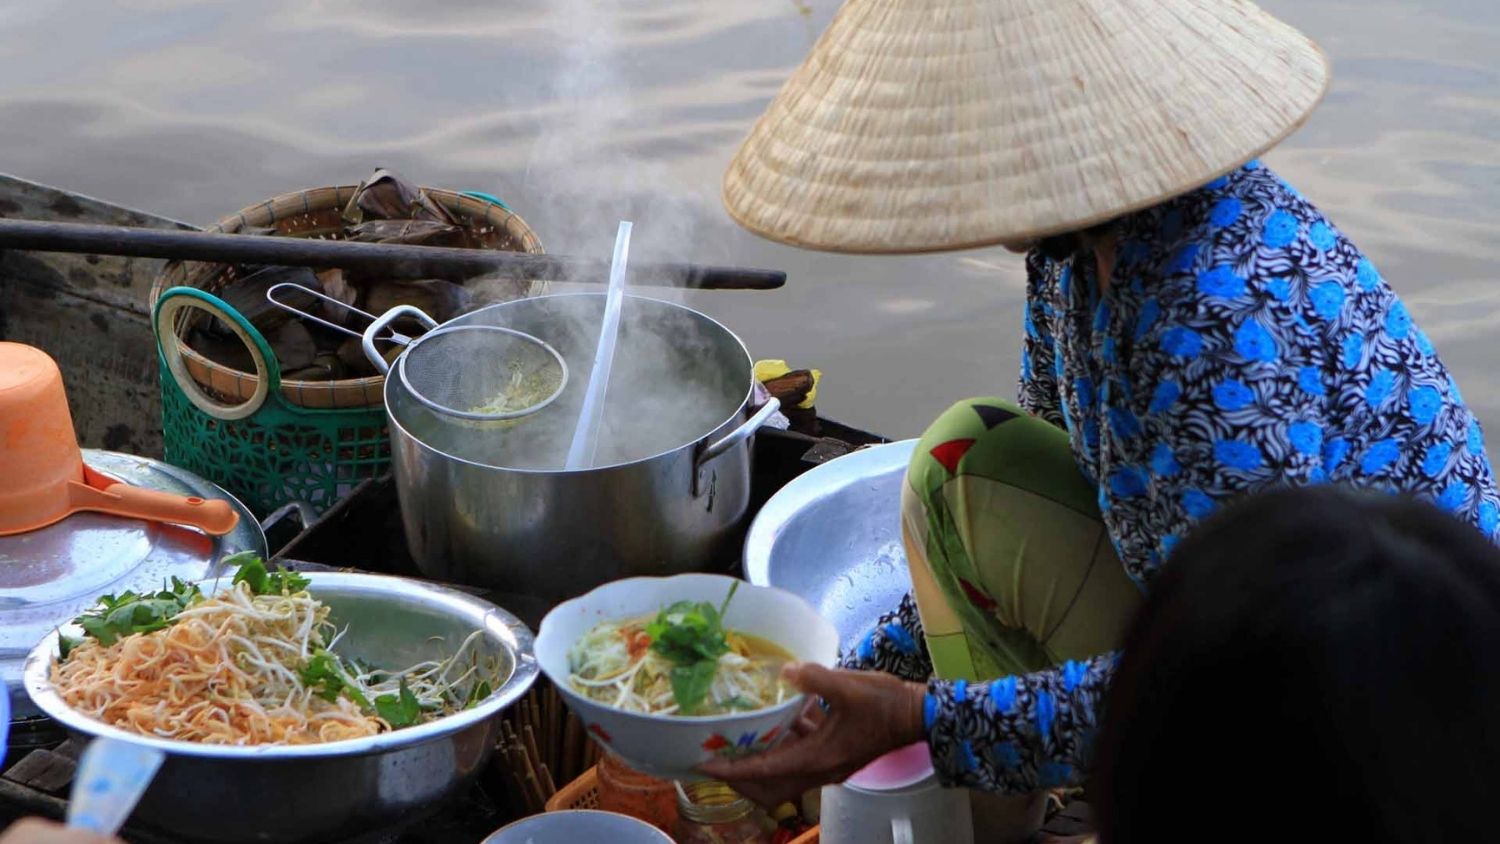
615	664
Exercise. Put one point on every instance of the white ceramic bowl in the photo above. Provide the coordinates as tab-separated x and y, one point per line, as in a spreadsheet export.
669	746
578	825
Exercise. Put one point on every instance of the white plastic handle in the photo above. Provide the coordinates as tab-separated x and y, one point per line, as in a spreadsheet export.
112	776
585	442
901	831
4	722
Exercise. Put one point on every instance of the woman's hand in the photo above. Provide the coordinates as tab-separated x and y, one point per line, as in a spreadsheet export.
38	831
869	714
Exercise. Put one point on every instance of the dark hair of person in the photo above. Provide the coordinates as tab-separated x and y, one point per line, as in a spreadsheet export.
1311	665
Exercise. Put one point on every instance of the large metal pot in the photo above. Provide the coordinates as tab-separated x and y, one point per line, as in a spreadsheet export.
671	488
333	791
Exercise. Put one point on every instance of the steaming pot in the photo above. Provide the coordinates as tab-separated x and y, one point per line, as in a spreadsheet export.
670	491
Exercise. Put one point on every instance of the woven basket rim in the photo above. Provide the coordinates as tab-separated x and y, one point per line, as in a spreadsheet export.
265	212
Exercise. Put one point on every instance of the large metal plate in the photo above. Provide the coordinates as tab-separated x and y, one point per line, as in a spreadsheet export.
833	536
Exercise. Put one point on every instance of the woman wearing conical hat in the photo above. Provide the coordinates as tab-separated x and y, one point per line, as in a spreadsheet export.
1195	331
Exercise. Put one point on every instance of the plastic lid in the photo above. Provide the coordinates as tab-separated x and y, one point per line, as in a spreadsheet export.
895	770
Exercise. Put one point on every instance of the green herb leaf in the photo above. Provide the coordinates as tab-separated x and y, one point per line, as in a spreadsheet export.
691	635
685	633
478	694
724	607
96	627
321	674
118	616
690	684
251	570
326	675
401	710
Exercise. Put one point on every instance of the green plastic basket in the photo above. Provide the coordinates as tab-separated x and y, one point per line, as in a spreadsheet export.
266	451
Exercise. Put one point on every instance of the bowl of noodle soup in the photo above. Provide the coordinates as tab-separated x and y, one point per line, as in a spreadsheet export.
625	657
256	780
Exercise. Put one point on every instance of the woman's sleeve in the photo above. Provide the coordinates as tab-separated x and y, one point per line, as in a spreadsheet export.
896	646
1226	394
1017	734
1038	389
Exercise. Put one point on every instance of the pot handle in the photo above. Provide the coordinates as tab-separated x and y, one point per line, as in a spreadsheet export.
304	512
740	434
732	439
367	342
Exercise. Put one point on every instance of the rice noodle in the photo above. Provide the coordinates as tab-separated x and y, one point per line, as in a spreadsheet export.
615	664
228	670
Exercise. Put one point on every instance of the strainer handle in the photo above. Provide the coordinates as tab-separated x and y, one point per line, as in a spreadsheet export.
367	342
290	308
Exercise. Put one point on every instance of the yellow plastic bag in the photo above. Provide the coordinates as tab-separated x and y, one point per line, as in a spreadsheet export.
770	370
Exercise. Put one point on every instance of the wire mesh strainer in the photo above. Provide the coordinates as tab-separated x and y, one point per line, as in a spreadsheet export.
477	373
482	373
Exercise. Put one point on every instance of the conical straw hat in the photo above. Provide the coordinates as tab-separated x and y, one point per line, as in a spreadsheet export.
923	125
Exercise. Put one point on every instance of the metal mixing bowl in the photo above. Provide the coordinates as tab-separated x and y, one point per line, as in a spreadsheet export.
333	791
833	536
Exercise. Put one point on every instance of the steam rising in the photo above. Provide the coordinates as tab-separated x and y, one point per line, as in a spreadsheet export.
672	383
587	170
676	378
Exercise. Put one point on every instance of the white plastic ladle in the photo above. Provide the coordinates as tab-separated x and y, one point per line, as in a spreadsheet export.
586	435
4	723
112	776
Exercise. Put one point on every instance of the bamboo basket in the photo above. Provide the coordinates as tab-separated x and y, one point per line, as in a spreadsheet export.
316	213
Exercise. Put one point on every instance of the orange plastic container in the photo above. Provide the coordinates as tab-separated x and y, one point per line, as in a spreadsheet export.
583	793
43	478
632	793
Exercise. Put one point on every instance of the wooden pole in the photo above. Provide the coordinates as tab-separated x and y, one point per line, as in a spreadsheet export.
394	261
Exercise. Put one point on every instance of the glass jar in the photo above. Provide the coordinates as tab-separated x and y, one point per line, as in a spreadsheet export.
626	791
711	813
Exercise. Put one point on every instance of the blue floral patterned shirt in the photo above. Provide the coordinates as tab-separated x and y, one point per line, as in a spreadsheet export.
1242	343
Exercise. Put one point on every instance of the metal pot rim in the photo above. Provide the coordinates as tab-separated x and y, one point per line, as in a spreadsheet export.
518	639
395	423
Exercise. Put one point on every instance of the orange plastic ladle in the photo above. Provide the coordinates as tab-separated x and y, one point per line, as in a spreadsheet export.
43	478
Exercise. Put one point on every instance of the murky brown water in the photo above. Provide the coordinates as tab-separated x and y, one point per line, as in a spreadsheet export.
580	113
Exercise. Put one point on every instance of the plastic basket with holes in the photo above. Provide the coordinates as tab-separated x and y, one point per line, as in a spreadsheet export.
268	440
583	793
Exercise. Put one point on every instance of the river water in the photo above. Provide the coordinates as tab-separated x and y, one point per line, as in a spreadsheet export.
583	112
